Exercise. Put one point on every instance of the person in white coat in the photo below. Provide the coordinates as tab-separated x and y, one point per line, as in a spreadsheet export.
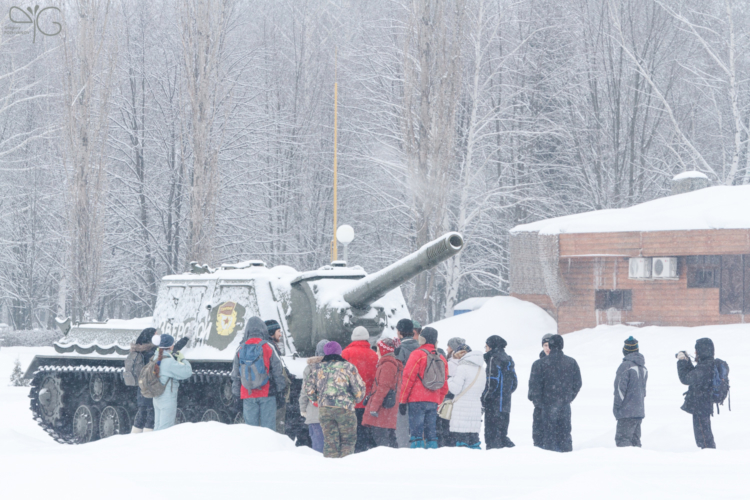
467	384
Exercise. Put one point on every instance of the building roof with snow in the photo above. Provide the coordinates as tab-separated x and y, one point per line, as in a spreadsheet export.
719	207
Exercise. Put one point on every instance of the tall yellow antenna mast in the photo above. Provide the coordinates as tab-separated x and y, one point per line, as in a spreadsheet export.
334	245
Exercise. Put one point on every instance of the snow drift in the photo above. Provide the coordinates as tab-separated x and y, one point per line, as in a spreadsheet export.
211	460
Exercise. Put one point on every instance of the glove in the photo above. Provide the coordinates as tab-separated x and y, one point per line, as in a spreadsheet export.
304	414
180	357
681	355
374	414
402	408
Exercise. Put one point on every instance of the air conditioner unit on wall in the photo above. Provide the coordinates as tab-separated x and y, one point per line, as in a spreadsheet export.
664	268
639	268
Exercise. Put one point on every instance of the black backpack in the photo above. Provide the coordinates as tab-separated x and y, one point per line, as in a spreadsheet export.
720	384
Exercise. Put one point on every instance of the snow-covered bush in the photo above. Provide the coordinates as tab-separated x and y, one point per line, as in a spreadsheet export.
30	338
16	376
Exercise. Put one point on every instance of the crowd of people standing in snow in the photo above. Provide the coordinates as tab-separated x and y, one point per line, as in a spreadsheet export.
407	392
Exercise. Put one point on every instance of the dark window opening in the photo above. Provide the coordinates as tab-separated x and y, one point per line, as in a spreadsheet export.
734	293
704	271
622	300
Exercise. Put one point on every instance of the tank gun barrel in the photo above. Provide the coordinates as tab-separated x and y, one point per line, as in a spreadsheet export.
369	289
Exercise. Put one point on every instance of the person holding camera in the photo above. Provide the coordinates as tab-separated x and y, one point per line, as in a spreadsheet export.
699	379
630	393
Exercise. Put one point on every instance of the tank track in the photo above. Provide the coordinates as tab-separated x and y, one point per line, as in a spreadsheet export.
82	403
76	404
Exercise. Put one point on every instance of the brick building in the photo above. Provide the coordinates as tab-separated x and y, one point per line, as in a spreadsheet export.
682	260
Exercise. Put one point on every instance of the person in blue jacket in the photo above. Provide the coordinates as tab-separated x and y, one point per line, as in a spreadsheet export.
170	371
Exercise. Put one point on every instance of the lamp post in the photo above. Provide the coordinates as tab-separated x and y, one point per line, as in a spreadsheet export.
345	235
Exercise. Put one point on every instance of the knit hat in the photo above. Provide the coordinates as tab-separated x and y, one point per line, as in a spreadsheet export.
455	343
417	325
430	335
631	346
546	338
146	336
405	326
556	342
332	348
320	347
360	333
272	326
496	341
386	346
163	341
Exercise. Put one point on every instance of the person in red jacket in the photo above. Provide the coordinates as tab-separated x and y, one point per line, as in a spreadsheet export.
360	354
382	420
422	402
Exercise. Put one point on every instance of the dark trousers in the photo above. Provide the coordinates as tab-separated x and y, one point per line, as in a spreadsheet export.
496	428
466	440
423	421
316	437
556	428
144	418
383	437
444	434
704	438
364	439
628	432
537	432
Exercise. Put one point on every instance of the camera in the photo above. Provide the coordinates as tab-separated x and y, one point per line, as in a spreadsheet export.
685	352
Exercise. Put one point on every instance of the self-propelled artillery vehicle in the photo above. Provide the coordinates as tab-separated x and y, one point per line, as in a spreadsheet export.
79	394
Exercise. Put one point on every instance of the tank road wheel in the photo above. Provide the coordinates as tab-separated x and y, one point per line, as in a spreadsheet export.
225	392
212	415
179	417
239	418
50	398
114	420
85	424
100	387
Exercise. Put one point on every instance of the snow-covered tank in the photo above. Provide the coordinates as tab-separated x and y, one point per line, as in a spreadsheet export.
79	394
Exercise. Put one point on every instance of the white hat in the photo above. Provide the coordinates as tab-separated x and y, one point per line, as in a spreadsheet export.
360	333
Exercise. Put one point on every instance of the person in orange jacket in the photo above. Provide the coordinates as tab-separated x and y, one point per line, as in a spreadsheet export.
360	354
423	387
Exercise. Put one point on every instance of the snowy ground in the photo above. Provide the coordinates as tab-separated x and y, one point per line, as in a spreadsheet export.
209	460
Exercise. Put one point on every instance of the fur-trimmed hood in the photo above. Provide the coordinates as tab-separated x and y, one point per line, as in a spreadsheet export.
314	360
142	347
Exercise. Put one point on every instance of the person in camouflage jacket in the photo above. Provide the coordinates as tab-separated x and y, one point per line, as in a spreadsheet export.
337	387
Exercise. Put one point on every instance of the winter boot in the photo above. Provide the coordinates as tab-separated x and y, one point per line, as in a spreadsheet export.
136	430
148	430
476	446
431	445
461	444
416	442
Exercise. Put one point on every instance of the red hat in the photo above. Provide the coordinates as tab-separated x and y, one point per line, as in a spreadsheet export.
386	346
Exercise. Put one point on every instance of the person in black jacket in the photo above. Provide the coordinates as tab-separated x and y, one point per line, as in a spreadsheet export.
553	385
699	378
536	424
501	383
144	417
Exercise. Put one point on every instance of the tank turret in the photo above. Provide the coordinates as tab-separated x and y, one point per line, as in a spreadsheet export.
324	305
